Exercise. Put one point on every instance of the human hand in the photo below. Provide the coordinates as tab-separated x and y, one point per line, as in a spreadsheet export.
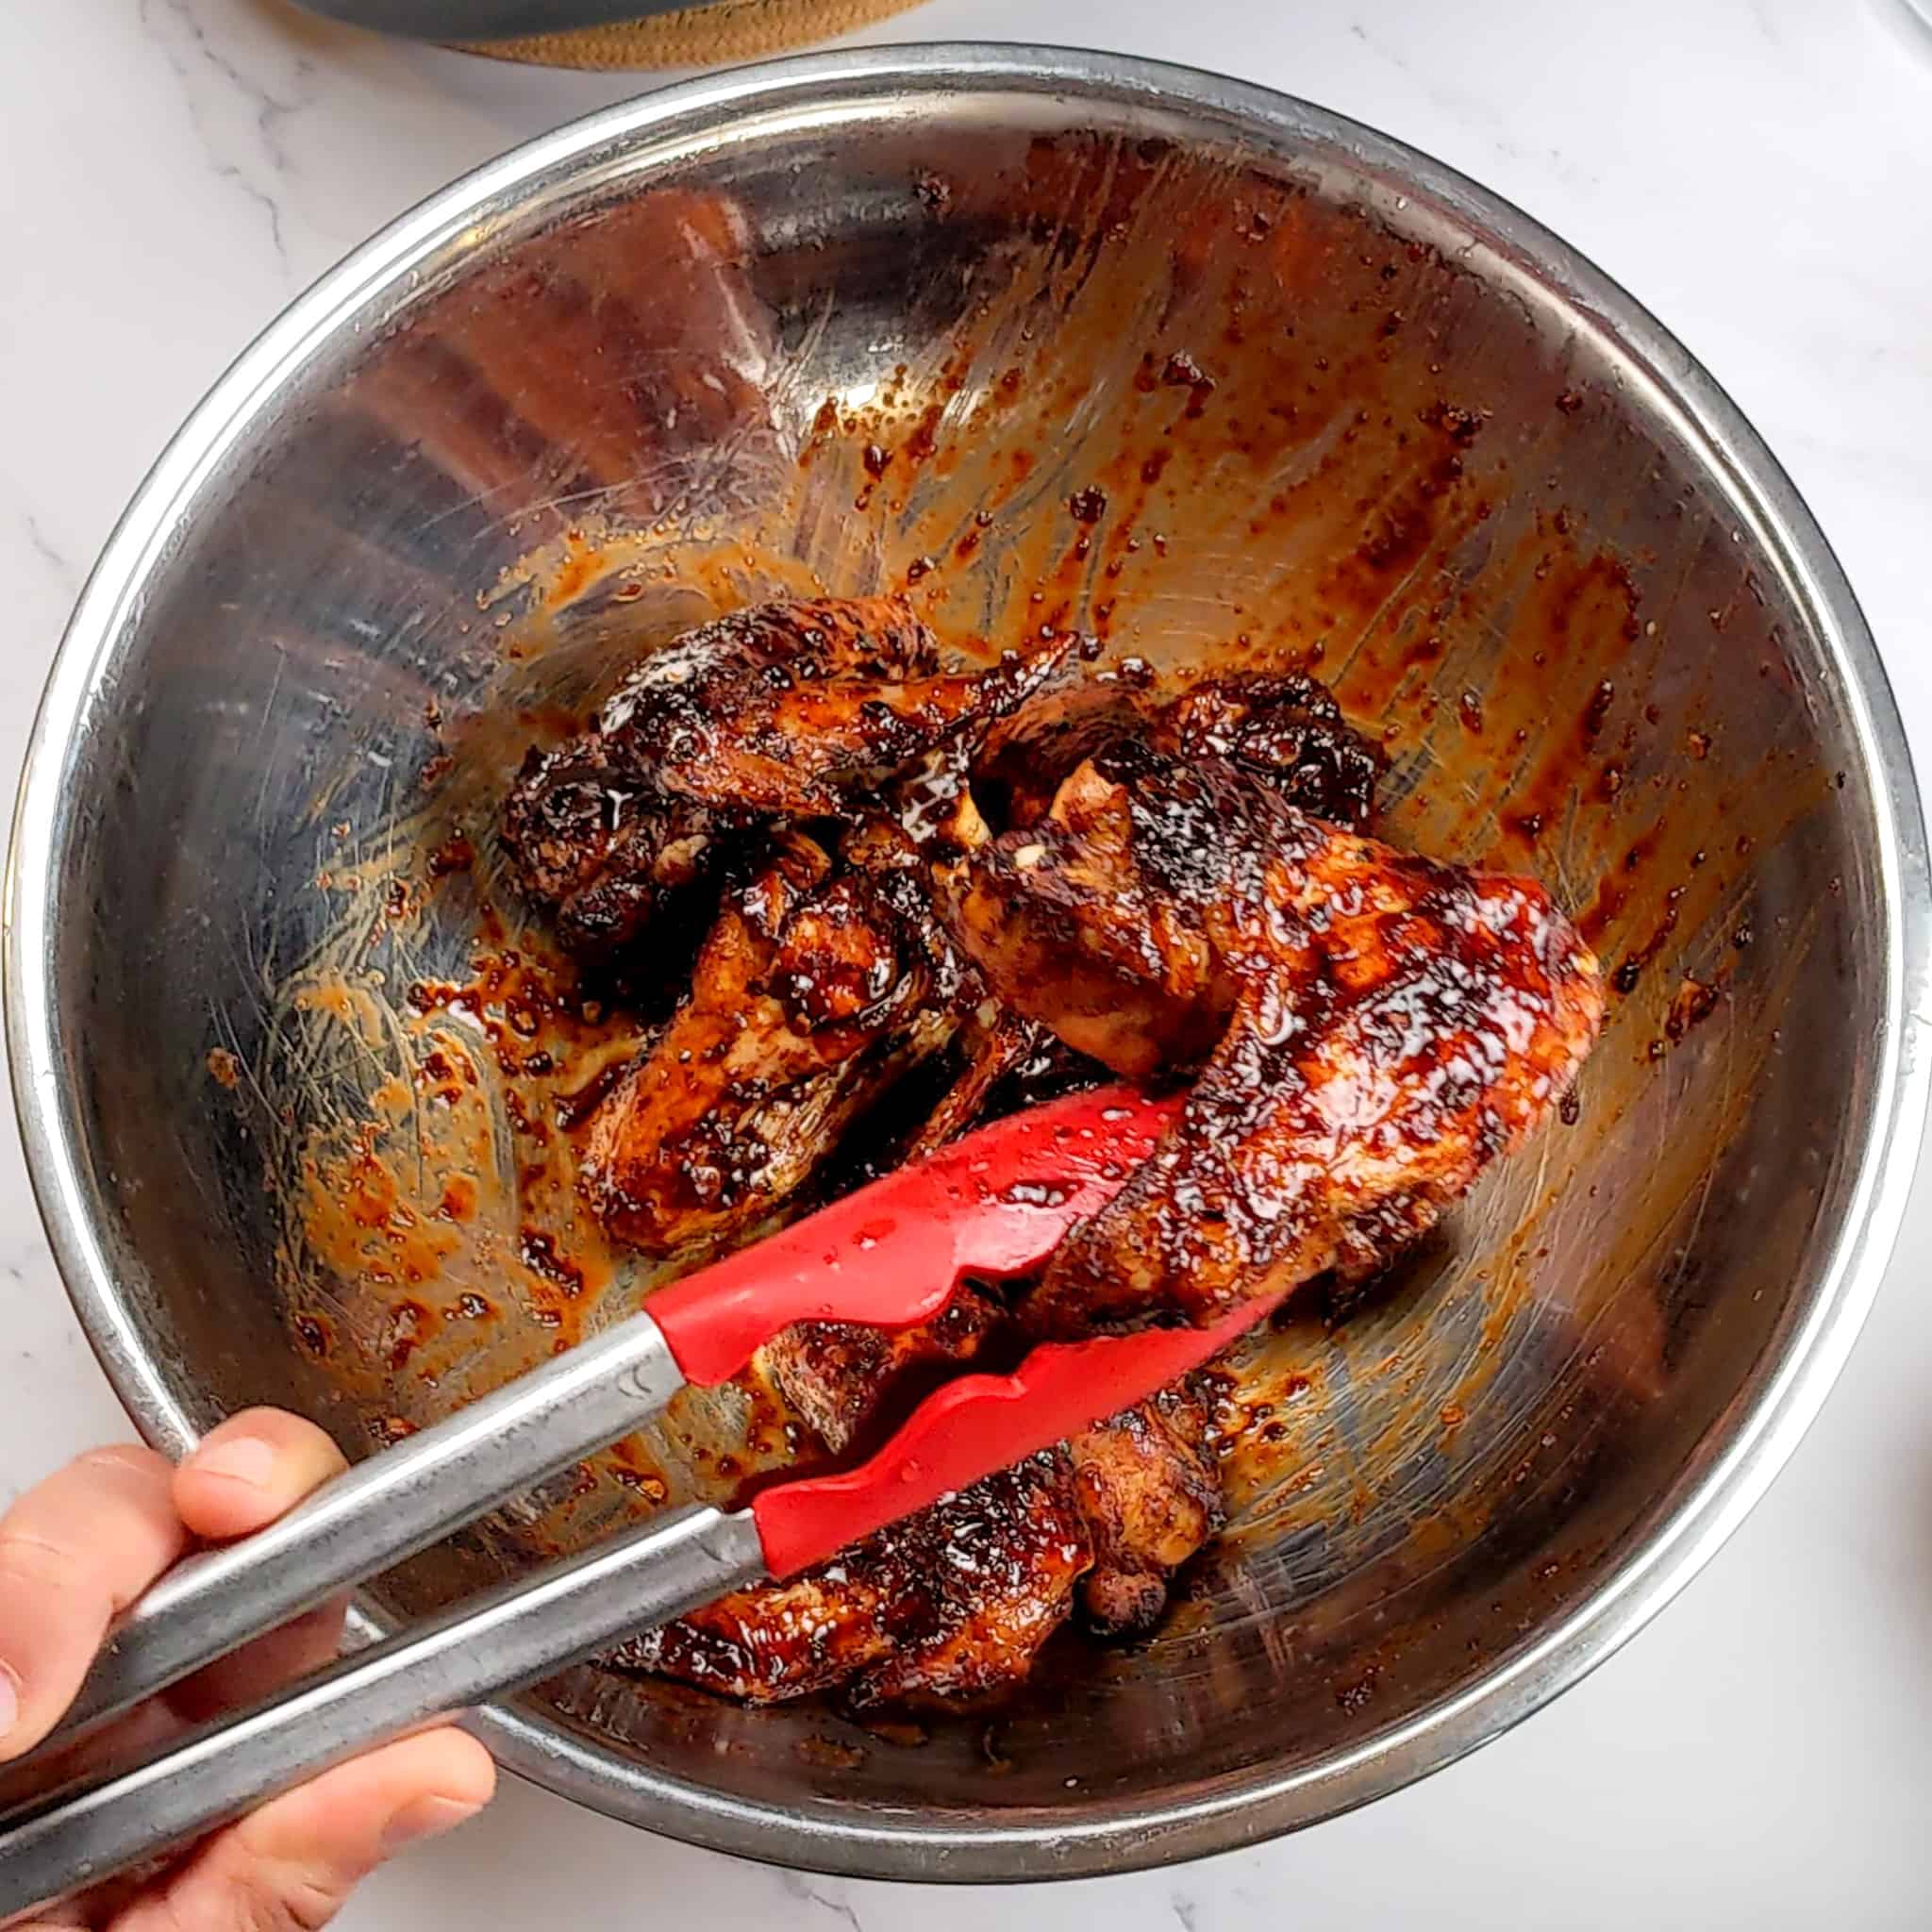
78	1549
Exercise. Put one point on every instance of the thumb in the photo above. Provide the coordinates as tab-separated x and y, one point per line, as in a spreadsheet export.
291	1866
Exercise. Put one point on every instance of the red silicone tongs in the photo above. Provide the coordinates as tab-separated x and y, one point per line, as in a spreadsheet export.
995	1204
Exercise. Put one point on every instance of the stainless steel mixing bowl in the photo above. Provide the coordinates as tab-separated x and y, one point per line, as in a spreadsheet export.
1064	340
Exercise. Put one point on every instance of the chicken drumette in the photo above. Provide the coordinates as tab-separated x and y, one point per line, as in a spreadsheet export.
822	983
783	712
948	1607
1371	1028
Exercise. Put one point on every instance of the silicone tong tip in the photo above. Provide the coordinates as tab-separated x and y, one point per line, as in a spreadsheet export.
995	1202
980	1424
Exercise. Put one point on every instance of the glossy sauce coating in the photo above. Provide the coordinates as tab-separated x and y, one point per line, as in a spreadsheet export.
1377	1026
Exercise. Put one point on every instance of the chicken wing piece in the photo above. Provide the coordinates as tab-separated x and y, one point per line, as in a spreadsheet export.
950	1607
1149	1493
783	707
842	1377
1146	1487
608	857
1384	1025
815	989
1284	727
781	710
985	1578
773	1641
946	1609
1068	926
821	985
1074	928
820	988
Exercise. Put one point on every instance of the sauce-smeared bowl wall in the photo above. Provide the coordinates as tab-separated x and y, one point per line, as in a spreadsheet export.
1060	341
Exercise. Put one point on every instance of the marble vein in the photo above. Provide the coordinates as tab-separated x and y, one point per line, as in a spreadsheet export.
1459	106
191	51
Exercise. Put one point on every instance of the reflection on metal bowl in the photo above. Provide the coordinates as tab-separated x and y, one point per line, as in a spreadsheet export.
1061	340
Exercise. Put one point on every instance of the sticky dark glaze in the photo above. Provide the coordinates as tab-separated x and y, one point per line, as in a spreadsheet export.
951	1608
1285	727
815	992
841	1377
782	710
1382	1025
608	857
948	1608
1285	730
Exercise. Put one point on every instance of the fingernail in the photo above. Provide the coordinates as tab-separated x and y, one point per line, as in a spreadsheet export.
242	1460
10	1698
424	1818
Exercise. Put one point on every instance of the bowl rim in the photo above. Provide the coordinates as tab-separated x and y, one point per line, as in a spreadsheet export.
1139	1834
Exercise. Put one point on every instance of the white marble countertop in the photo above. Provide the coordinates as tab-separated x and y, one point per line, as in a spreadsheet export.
1757	171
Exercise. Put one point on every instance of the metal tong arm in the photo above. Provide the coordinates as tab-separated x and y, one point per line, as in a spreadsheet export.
512	1636
86	1830
383	1509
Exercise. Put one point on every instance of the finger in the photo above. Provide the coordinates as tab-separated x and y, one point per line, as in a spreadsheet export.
289	1867
241	1476
250	1470
74	1552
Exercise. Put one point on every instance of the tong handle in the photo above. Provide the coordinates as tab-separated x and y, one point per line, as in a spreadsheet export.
512	1636
86	1831
996	1202
386	1507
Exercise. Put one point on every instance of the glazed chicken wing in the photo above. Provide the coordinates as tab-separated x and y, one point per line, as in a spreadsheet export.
1377	1026
818	987
608	856
948	1607
786	710
841	1377
1148	1490
1069	928
951	1606
1283	727
1144	1486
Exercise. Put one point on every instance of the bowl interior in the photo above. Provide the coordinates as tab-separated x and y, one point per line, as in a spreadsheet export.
1221	384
